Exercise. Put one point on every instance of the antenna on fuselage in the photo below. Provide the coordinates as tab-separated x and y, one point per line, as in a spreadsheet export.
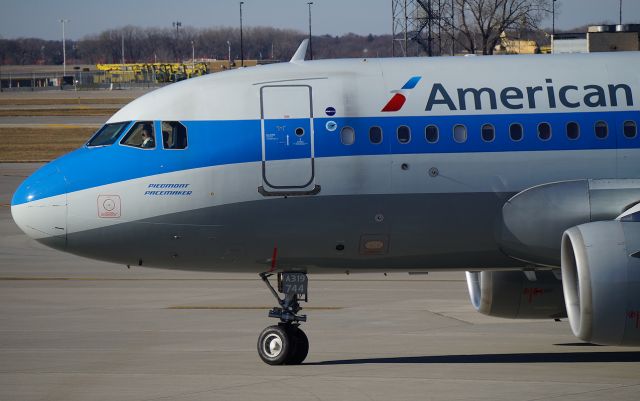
301	53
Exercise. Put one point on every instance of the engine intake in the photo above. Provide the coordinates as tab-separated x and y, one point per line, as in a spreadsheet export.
601	280
513	295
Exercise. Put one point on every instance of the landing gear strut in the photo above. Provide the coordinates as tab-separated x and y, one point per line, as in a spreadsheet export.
285	343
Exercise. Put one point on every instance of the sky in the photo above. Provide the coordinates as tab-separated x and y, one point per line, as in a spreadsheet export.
41	18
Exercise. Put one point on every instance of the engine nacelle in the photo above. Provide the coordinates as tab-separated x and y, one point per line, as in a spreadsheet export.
534	220
513	295
601	279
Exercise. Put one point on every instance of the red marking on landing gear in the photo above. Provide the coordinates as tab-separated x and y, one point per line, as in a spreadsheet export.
273	259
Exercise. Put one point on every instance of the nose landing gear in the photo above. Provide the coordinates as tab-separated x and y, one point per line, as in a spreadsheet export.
285	343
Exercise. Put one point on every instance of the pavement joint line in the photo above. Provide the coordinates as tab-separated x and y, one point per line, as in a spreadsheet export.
231	307
315	279
564	395
451	317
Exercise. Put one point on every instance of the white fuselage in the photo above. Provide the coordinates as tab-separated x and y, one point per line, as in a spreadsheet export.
359	164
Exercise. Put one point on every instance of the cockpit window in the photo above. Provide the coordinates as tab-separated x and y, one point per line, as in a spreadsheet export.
141	135
174	135
108	134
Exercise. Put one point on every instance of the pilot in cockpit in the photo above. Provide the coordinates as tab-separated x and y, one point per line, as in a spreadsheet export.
147	138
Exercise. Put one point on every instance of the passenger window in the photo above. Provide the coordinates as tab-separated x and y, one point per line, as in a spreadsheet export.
141	135
404	134
516	132
630	129
460	133
573	130
347	136
601	129
174	135
544	131
431	134
108	134
375	135
488	133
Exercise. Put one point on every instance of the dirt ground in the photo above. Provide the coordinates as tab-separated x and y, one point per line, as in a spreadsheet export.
41	139
28	144
76	111
42	101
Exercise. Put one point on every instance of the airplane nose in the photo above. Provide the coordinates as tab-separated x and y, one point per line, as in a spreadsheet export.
39	206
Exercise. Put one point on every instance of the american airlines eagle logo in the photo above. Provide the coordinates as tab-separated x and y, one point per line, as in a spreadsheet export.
398	99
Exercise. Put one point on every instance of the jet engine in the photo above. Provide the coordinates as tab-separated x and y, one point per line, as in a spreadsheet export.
516	294
601	279
534	220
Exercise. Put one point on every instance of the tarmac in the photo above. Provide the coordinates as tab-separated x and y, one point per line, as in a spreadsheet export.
77	329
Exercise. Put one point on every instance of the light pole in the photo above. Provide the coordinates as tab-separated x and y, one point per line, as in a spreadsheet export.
620	12
553	18
193	57
310	46
241	43
122	44
64	50
229	46
177	25
453	29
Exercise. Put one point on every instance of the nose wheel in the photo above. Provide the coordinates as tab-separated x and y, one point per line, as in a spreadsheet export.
285	343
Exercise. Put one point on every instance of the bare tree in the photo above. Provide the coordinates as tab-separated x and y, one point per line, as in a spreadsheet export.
477	24
145	45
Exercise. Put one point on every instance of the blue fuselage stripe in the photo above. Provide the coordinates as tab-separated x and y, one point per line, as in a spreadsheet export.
216	143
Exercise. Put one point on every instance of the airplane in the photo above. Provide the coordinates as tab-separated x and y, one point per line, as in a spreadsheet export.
520	170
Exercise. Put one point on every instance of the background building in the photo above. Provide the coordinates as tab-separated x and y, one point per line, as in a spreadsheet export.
599	38
564	43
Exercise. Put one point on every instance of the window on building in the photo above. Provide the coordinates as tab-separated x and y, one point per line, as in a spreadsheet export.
141	135
630	129
347	135
174	135
601	129
544	131
375	135
404	134
573	130
460	133
488	133
431	133
108	134
516	132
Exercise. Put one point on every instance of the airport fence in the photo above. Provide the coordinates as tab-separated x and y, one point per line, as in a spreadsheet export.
12	81
106	76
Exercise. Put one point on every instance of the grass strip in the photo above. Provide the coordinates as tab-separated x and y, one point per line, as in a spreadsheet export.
40	144
63	101
78	111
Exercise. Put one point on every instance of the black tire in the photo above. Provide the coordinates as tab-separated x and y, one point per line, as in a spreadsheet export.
300	348
275	345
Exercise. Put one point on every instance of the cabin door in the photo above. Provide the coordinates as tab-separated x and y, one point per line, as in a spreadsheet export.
287	140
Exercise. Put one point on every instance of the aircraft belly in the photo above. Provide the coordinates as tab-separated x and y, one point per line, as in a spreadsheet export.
359	233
